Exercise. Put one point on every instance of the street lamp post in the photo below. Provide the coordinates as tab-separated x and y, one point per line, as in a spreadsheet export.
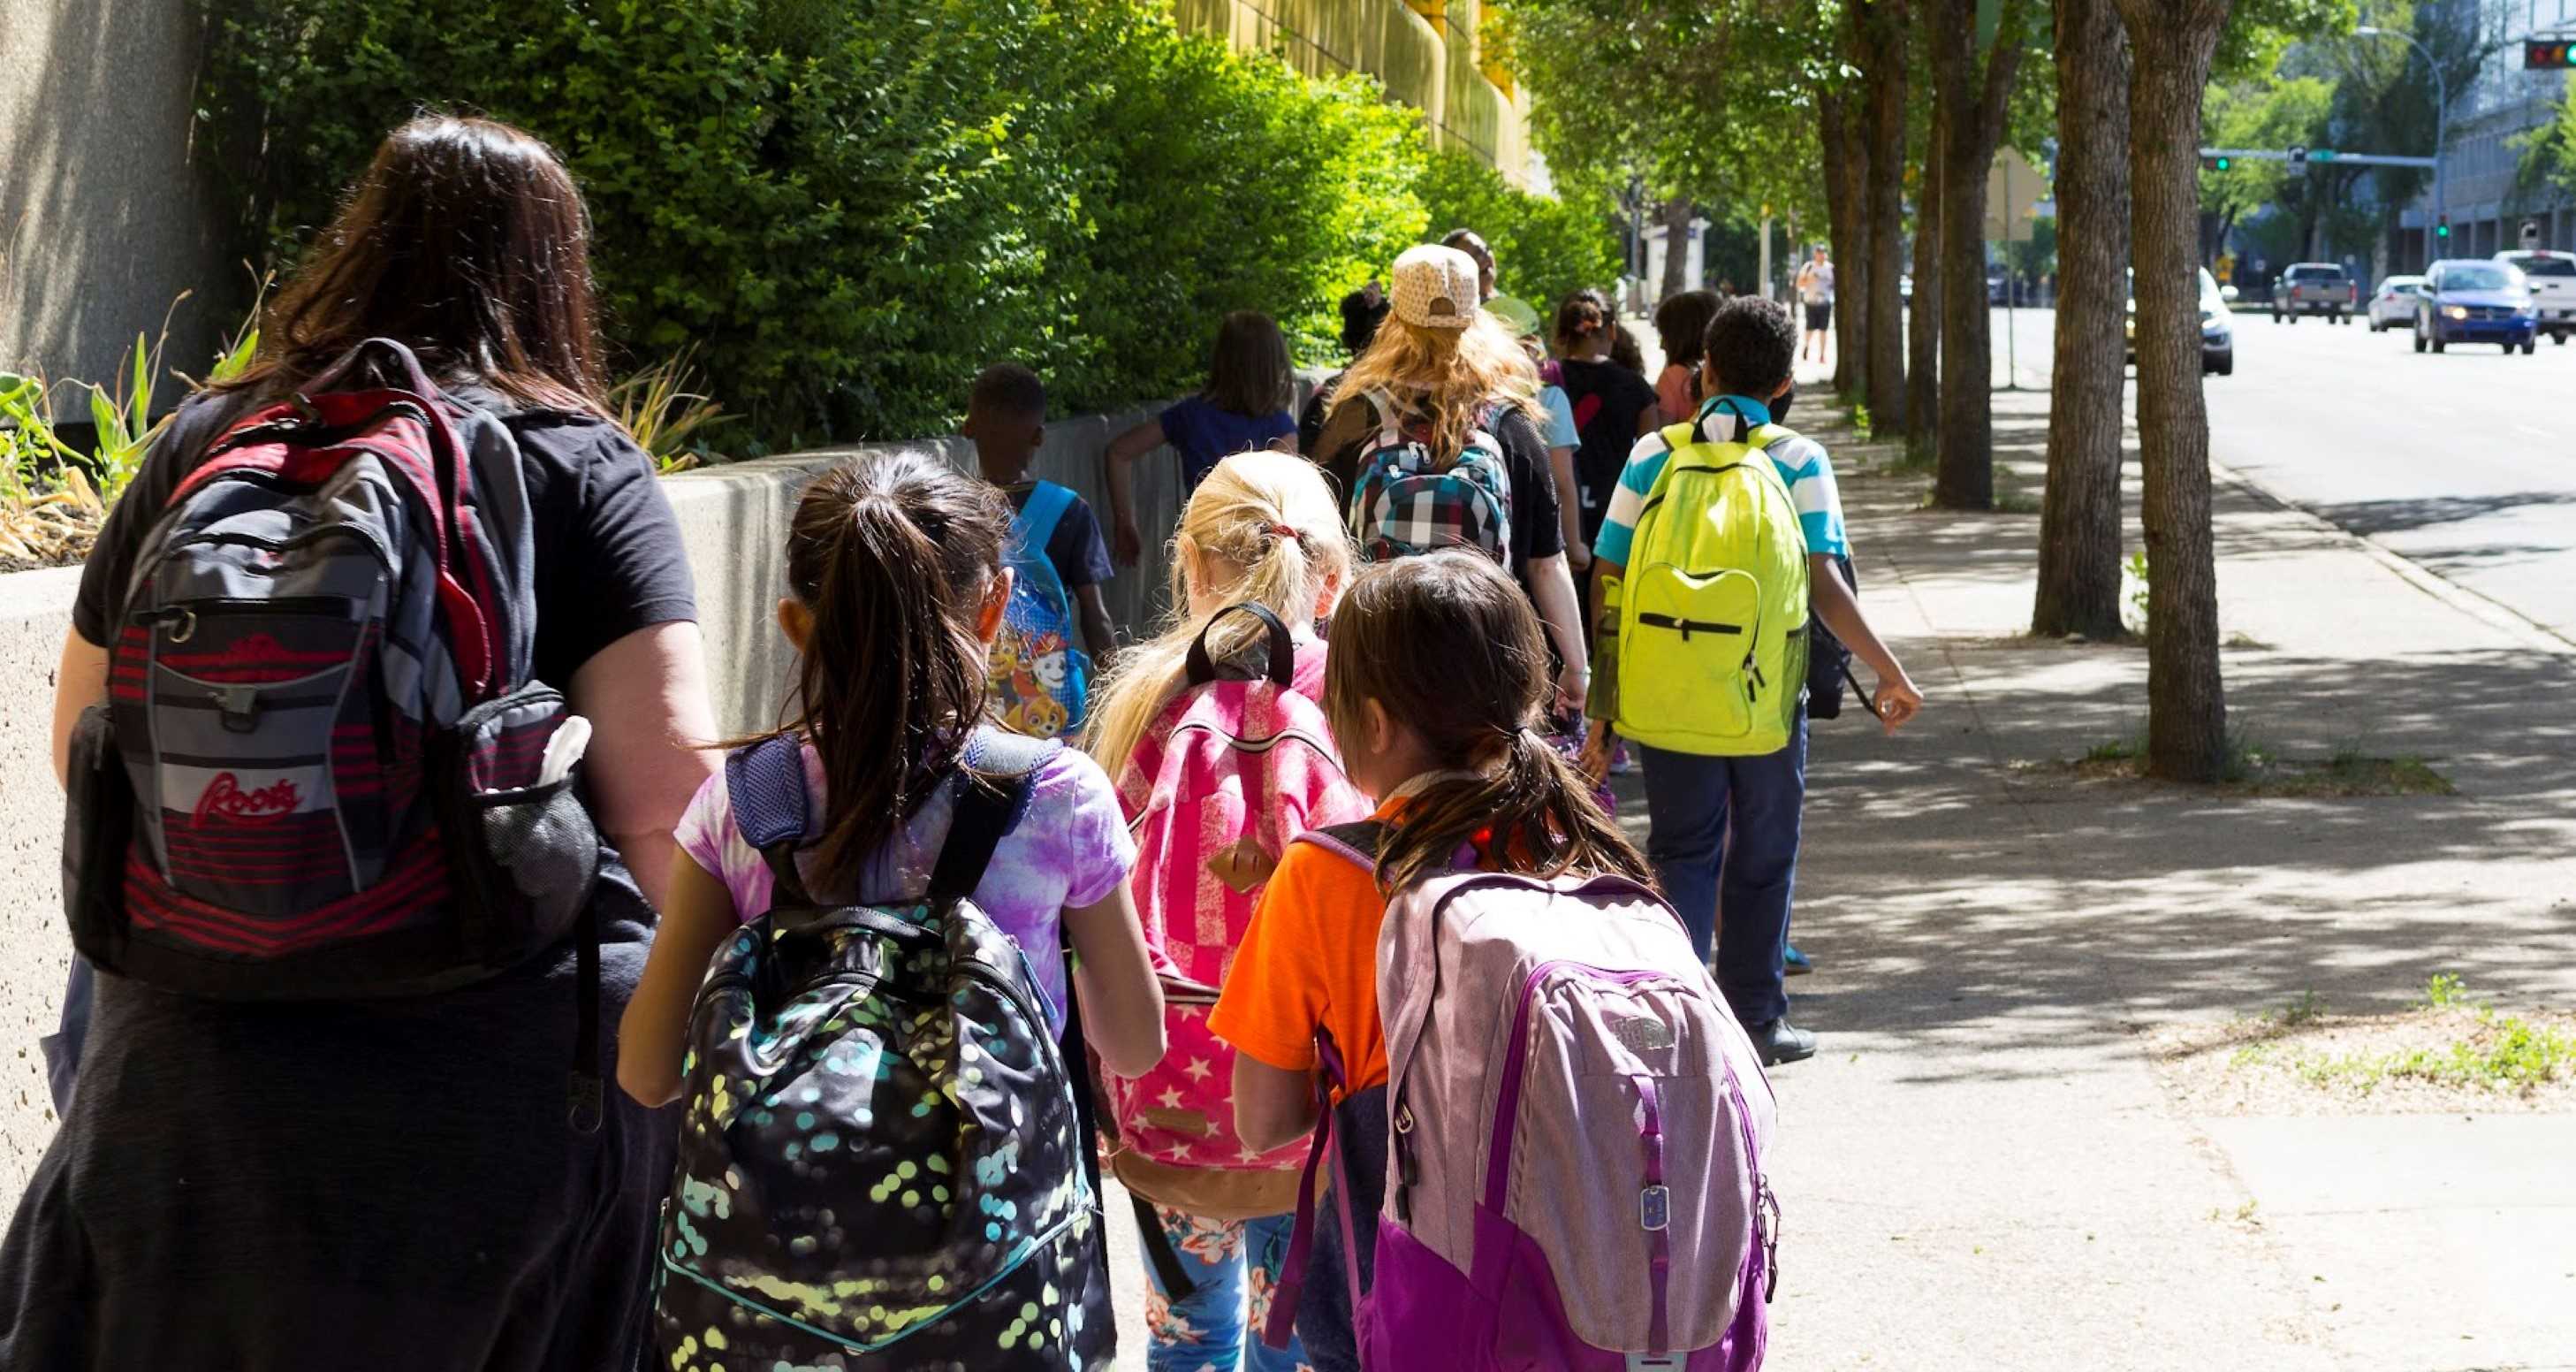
2441	123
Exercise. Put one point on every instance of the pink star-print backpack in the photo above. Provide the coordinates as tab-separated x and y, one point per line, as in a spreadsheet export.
1226	777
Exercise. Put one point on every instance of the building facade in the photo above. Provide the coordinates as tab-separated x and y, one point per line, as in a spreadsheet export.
1443	57
2482	153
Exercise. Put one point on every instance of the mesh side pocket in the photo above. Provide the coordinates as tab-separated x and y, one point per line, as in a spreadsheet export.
526	849
541	847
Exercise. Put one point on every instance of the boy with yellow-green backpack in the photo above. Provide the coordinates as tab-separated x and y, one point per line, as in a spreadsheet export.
1716	558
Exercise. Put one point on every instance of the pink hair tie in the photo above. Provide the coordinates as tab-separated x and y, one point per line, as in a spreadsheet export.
1288	531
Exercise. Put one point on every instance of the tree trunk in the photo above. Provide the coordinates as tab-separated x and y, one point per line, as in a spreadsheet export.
1971	102
1884	25
1677	221
1923	316
2079	523
2186	703
1852	256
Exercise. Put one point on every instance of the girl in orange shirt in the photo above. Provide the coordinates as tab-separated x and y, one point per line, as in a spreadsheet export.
1435	687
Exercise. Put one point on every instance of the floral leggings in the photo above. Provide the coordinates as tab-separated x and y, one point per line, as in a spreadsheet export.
1233	1266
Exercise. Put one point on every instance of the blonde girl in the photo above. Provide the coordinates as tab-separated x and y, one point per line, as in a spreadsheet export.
1262	527
1450	367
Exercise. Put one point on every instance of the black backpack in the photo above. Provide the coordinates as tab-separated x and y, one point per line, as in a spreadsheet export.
1829	662
881	1155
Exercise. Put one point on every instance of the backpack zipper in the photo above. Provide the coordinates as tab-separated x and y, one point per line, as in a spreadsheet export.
375	548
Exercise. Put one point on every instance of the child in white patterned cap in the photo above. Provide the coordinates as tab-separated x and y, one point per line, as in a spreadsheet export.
1450	369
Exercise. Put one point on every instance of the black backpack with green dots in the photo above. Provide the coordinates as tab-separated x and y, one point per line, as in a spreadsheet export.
881	1156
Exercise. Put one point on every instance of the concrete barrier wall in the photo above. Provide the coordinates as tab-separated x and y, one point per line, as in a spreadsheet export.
35	612
734	520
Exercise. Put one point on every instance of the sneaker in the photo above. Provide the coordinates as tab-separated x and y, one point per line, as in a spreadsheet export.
1779	1041
1622	762
1795	963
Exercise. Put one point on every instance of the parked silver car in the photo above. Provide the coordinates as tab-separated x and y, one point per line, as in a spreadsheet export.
2392	306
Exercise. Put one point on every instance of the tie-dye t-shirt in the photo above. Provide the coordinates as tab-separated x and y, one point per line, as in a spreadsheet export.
1070	848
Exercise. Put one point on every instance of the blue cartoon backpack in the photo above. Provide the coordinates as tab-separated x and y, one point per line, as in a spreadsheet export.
1404	501
1041	681
882	1162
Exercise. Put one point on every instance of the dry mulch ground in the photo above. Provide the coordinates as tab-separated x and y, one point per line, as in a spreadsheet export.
2302	1060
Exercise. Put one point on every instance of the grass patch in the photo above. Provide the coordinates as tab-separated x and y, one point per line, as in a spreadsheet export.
2307	1009
2345	774
2246	642
2449	1051
2131	749
2501	1053
1919	455
2257	769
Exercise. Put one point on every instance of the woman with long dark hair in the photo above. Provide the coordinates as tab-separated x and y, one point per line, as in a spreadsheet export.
393	1183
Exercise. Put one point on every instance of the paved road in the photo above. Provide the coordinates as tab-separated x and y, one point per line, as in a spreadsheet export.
2465	462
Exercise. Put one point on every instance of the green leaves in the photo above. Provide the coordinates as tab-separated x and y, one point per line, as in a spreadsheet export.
1544	249
848	207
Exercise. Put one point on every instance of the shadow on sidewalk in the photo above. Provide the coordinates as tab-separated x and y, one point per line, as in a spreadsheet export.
1961	879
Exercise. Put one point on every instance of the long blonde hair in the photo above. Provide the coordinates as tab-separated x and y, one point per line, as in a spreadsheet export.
1447	376
1233	523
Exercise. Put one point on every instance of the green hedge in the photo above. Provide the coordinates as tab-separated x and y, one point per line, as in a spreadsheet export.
1544	249
849	206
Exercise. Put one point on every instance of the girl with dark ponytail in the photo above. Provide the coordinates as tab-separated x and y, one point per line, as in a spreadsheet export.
897	582
1435	688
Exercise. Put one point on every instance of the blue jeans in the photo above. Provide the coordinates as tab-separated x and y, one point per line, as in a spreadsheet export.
1722	833
1233	1266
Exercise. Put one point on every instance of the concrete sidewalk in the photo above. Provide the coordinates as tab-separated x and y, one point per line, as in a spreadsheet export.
1981	1169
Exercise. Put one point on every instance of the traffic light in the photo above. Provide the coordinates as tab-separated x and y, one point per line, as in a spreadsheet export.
2548	54
2216	161
2442	229
2298	155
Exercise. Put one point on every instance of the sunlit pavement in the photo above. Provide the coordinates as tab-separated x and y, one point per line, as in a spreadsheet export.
2464	462
1980	1170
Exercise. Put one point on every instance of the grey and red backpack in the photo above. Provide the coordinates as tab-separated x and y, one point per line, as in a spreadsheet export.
325	769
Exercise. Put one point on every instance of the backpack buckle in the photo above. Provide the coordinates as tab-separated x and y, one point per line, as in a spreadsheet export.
239	708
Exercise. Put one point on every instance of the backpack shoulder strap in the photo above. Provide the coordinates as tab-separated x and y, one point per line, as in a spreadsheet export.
1390	420
1037	519
994	792
1358	843
765	784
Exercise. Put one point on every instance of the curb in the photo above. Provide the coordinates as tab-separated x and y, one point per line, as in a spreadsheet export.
2493	613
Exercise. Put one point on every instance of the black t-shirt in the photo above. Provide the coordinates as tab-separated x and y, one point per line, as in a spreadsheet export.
1608	399
1080	555
1310	416
608	558
1536	532
439	1117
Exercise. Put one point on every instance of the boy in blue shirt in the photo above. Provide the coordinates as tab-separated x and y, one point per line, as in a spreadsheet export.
1722	832
1006	420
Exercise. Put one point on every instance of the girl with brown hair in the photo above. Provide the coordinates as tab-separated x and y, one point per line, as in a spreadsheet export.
1435	688
392	1183
1245	406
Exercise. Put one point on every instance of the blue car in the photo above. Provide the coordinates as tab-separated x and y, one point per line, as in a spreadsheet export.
2475	301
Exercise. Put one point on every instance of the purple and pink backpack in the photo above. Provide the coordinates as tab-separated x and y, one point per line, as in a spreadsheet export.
1575	1172
1227	776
